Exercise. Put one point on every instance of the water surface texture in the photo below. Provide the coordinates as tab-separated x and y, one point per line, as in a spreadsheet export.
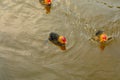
25	53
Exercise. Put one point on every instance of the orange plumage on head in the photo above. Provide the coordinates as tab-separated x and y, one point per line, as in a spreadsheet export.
103	37
48	1
62	40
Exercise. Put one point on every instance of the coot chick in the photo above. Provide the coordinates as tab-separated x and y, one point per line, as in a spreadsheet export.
58	40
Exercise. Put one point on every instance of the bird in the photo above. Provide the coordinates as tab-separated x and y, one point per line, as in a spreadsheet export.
47	5
102	38
58	40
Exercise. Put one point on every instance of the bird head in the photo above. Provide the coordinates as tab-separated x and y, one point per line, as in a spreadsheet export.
103	37
48	2
62	40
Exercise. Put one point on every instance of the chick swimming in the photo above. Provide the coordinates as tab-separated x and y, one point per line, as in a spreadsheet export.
58	40
47	4
102	38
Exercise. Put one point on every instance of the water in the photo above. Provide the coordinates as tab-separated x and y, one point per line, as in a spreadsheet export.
25	53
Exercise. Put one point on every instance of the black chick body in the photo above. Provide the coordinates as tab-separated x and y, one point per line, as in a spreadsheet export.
99	32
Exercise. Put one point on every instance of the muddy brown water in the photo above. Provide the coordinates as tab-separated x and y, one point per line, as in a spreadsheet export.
25	53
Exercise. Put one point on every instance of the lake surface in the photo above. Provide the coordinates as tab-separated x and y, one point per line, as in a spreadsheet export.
26	54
